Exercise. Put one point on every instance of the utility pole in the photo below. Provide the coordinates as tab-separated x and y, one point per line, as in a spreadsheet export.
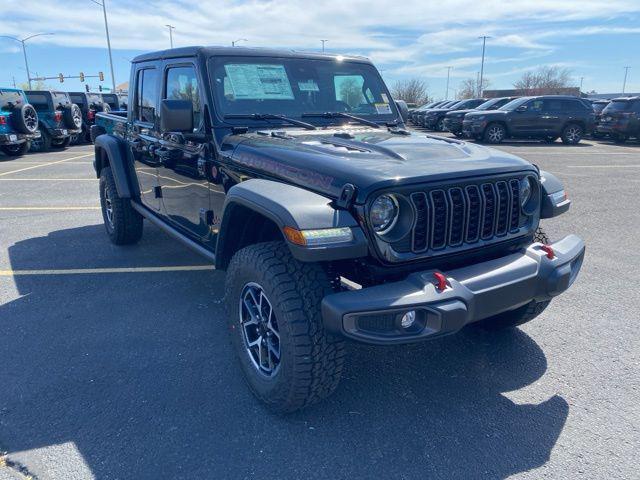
624	83
446	95
581	80
323	42
484	41
14	81
24	51
171	29
106	28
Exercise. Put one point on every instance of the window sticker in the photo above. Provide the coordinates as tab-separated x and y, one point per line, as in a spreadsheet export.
259	82
383	108
308	86
385	99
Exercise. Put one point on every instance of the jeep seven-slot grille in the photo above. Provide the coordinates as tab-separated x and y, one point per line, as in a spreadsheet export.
454	216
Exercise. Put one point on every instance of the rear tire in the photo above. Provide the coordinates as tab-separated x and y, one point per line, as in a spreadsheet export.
309	363
122	222
572	134
16	150
60	144
42	144
495	133
522	314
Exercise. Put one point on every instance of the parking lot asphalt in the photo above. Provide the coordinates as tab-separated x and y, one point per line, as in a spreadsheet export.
116	363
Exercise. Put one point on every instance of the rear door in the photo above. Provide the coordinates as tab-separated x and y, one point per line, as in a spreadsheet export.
182	162
143	136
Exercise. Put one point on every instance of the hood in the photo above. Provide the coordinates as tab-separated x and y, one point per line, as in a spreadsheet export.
477	113
370	159
459	113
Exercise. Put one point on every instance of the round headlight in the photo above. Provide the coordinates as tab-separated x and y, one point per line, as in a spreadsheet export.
383	213
525	191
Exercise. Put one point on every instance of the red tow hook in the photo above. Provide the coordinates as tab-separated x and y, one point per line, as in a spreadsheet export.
549	251
441	280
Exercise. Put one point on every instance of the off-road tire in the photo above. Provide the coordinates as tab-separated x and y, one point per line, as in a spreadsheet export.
72	116
125	226
572	134
522	314
494	133
439	126
15	150
311	359
61	143
42	144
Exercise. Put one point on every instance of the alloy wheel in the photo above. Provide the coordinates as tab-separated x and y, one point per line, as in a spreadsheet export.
495	134
108	207
260	330
574	134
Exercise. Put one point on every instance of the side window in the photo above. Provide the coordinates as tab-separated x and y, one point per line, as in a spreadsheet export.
636	106
553	105
39	101
182	84
349	89
535	105
146	95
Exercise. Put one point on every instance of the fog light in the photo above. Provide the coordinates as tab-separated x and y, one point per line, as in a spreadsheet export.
408	319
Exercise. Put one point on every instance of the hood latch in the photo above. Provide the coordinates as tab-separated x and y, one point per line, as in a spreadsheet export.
346	196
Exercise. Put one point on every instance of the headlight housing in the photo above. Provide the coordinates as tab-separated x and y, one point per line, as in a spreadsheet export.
529	194
384	213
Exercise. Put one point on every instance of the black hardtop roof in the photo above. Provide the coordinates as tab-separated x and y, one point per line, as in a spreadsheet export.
57	92
241	52
625	99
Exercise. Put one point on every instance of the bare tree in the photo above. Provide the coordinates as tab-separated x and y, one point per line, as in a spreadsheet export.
412	90
36	85
469	88
544	79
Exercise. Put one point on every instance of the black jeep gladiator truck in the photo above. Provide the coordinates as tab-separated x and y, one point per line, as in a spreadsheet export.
294	173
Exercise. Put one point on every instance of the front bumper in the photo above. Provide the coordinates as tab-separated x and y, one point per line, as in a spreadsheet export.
473	293
17	138
453	125
63	132
473	129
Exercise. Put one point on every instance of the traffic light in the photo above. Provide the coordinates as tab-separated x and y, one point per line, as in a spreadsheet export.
101	76
87	88
61	78
100	87
81	76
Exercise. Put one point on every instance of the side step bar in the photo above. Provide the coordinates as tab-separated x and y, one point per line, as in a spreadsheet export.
153	218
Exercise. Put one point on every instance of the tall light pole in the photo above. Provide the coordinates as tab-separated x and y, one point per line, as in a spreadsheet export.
581	80
446	95
484	41
171	29
624	82
323	42
233	44
24	50
106	28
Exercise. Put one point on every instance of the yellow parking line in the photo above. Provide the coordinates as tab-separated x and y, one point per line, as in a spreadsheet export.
82	271
47	208
45	164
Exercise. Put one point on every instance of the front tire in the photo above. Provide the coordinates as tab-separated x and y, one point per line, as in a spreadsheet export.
309	360
572	134
16	150
122	222
495	133
440	126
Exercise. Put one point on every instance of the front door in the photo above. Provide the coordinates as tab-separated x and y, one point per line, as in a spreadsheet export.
526	122
181	160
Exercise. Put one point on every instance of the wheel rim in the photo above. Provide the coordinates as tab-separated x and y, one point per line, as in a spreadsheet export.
440	126
31	120
108	208
260	331
495	134
573	134
77	117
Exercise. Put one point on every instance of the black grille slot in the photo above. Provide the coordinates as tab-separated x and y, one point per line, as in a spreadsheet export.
440	213
458	213
504	206
515	204
475	213
421	230
489	197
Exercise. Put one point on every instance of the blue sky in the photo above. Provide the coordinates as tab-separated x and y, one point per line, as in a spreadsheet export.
415	38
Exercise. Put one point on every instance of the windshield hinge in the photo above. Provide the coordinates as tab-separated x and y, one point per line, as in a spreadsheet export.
346	196
239	130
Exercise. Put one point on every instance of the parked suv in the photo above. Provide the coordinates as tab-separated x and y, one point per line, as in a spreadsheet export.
59	118
598	106
112	100
420	115
453	119
293	172
18	122
90	104
413	113
621	119
547	117
434	118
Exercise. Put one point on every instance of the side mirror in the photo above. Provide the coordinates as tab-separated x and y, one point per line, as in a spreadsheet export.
176	116
522	108
403	109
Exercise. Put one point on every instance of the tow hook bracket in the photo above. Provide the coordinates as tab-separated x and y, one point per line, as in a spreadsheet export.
549	251
441	281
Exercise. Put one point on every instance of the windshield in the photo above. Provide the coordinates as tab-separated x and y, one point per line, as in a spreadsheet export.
513	104
296	86
9	100
492	104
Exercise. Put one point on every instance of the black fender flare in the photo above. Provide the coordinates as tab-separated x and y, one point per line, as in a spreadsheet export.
114	152
290	206
553	198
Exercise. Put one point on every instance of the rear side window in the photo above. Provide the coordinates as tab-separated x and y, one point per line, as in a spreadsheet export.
60	99
94	99
146	95
40	101
182	84
77	99
10	100
619	106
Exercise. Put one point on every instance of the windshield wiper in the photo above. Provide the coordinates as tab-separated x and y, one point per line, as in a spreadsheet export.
272	116
364	121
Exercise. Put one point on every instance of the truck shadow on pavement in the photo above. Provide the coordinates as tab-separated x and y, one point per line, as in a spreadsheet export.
136	372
